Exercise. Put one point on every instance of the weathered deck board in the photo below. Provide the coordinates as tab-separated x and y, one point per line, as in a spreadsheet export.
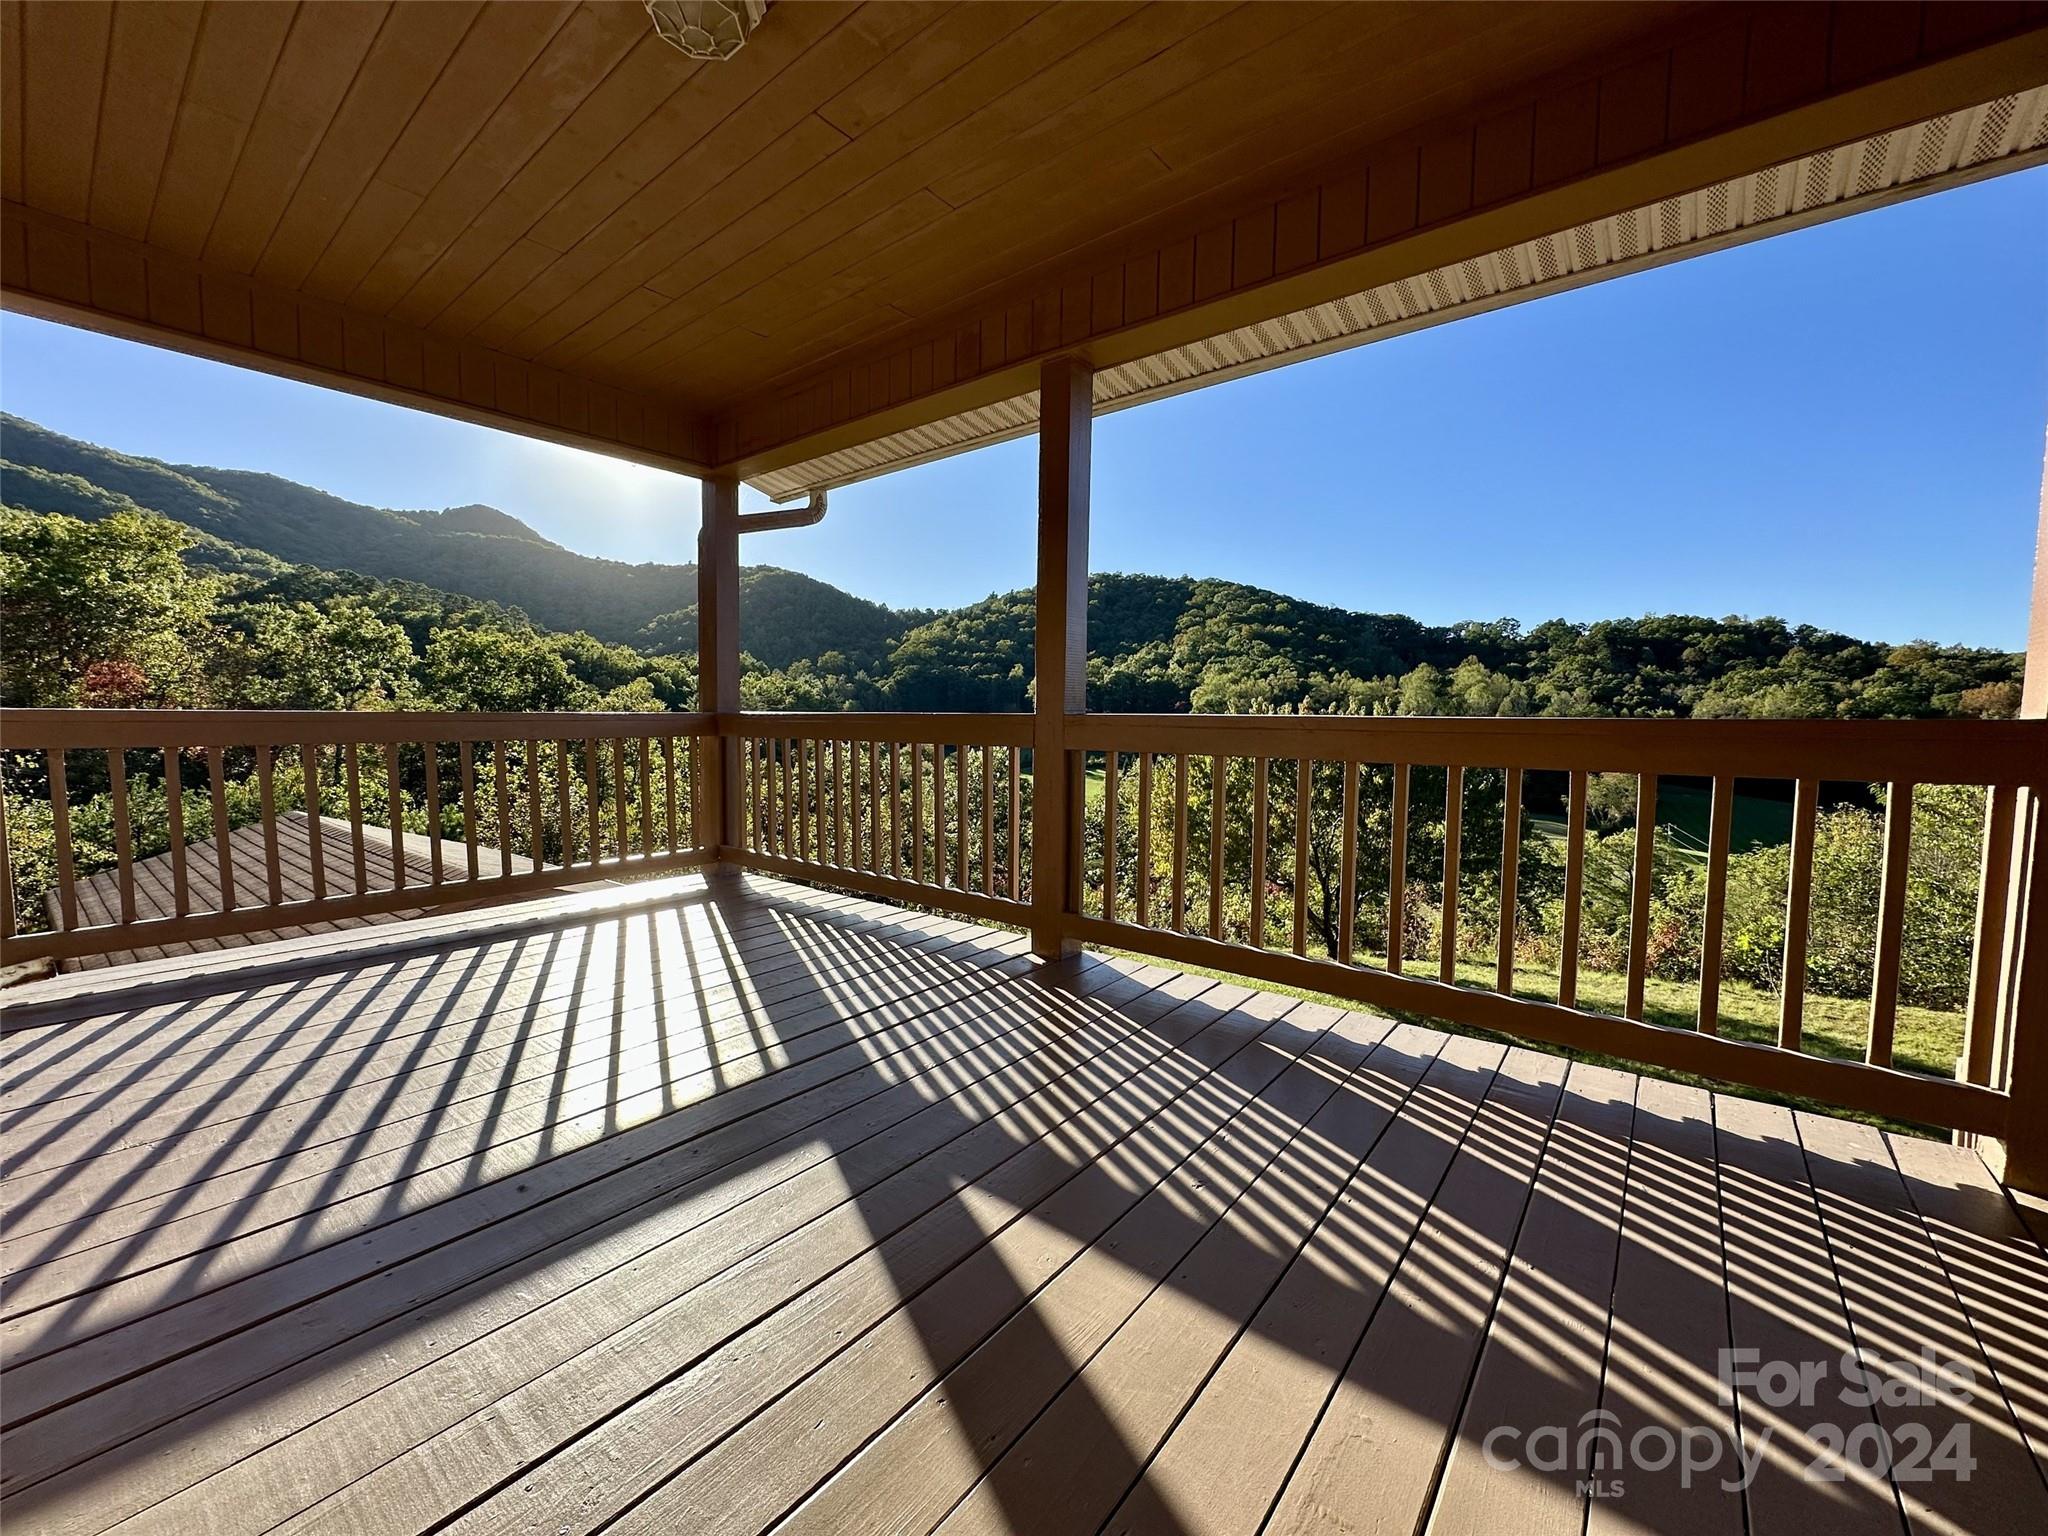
767	1208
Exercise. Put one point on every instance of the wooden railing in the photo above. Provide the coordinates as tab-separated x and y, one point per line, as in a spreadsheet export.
933	809
1290	788
1329	853
308	817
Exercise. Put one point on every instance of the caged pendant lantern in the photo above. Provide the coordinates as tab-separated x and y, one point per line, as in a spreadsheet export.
706	29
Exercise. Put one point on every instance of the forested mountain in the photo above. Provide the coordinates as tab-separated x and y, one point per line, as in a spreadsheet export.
476	551
269	547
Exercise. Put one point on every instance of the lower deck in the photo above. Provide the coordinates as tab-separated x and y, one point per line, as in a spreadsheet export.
756	1208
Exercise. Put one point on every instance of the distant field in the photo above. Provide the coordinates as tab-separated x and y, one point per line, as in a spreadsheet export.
1758	821
1684	812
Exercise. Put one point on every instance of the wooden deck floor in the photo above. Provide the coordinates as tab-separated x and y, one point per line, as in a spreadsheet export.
771	1210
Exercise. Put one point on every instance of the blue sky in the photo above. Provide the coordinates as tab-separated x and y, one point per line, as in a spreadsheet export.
1840	426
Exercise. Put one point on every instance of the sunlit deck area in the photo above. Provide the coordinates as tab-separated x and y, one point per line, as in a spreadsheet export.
730	1205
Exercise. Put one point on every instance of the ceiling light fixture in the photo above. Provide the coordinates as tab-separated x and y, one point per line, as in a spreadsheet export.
706	29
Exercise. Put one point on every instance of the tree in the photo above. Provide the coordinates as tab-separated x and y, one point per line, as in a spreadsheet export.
81	595
485	667
298	656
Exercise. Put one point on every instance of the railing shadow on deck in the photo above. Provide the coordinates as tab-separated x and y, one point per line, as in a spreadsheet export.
1297	1117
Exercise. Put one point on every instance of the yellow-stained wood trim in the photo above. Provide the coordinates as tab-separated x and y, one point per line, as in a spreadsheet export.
1512	171
900	726
1924	751
46	729
56	269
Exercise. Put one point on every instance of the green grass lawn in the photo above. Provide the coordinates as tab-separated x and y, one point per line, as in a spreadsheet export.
1684	812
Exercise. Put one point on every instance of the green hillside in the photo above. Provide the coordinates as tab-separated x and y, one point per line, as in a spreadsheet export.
476	551
1156	643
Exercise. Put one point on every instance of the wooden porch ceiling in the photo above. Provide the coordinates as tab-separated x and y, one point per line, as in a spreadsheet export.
878	215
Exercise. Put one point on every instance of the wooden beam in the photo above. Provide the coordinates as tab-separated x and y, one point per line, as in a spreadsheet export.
718	659
2020	1052
56	269
1066	412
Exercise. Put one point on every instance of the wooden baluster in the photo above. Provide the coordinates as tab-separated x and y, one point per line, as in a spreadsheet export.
1143	885
1347	879
7	924
939	876
668	799
174	804
895	813
124	840
502	792
641	750
1016	824
316	843
961	876
803	800
874	807
848	786
819	822
1574	890
394	800
1798	914
841	761
1261	793
1304	809
536	822
750	769
792	816
815	767
266	791
1397	871
1109	820
436	866
1713	921
60	828
988	820
1891	922
921	861
216	773
856	804
465	778
785	772
1218	788
1642	880
565	802
593	801
1510	880
1454	832
778	798
828	775
694	749
358	856
621	823
1980	1013
1180	843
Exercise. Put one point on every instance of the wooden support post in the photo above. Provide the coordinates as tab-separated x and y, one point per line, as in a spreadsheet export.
1066	407
718	661
2020	1052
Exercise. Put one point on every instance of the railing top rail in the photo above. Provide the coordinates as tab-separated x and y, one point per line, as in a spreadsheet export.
952	730
66	729
1920	751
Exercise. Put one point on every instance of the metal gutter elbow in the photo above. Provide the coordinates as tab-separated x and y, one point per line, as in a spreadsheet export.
805	516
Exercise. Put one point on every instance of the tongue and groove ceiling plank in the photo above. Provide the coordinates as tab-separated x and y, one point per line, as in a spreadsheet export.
539	216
